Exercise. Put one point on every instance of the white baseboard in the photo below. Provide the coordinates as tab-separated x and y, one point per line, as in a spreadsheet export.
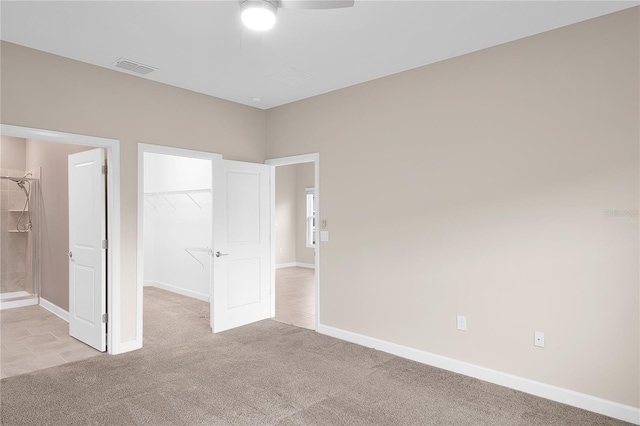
147	283
10	304
554	393
14	294
182	291
54	309
295	264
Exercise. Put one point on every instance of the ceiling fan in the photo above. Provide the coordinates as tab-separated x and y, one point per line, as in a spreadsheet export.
260	15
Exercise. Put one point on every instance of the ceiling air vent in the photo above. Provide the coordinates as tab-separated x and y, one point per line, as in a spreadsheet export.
128	65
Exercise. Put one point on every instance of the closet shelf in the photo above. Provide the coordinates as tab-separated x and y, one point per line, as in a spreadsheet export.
17	211
164	194
188	191
189	250
15	231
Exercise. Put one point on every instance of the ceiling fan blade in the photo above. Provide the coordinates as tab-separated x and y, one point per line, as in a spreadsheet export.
250	39
315	4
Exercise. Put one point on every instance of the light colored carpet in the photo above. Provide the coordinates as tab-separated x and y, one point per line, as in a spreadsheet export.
267	373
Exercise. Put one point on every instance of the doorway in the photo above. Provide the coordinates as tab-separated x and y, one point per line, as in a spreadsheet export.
71	142
238	254
175	217
296	245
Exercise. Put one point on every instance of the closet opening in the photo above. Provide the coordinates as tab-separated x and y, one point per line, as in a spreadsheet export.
176	228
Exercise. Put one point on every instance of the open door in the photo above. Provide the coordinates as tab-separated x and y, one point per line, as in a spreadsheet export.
87	249
241	289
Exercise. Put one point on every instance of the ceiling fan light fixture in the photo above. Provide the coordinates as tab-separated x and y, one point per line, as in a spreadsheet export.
258	15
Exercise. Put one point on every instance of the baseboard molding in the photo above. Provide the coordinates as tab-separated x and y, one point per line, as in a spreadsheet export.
178	290
147	283
54	309
10	304
295	264
14	294
554	393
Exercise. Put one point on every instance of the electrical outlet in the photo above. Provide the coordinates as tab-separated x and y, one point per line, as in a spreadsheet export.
461	322
538	339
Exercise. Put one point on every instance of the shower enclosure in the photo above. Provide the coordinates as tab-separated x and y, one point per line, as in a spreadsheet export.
19	259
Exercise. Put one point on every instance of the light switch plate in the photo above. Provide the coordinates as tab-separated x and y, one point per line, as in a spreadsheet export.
324	236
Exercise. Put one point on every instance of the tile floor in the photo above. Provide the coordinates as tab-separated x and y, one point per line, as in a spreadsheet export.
295	297
32	338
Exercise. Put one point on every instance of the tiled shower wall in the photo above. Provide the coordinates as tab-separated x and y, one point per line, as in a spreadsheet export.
15	248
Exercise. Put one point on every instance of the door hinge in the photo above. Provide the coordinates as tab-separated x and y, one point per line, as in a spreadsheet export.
105	244
104	169
105	318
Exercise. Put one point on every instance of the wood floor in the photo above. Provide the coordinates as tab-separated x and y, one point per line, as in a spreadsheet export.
295	297
32	338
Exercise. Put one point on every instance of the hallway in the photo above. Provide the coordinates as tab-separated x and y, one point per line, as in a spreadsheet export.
295	297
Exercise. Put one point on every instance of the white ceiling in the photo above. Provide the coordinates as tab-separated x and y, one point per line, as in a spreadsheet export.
197	45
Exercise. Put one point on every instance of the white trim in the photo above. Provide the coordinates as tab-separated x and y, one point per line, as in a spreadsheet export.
177	290
10	304
294	265
14	294
147	283
295	159
287	161
554	393
272	237
155	149
177	152
114	302
54	309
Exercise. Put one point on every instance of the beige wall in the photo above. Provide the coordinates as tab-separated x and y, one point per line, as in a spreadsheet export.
479	186
285	214
45	91
15	254
12	153
291	210
52	159
304	179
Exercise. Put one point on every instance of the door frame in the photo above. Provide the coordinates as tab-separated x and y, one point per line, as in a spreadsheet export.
112	146
165	150
288	161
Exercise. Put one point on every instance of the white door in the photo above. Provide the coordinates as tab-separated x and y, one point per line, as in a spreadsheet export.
241	244
87	257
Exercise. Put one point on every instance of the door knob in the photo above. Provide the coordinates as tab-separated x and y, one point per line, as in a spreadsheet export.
218	254
69	255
